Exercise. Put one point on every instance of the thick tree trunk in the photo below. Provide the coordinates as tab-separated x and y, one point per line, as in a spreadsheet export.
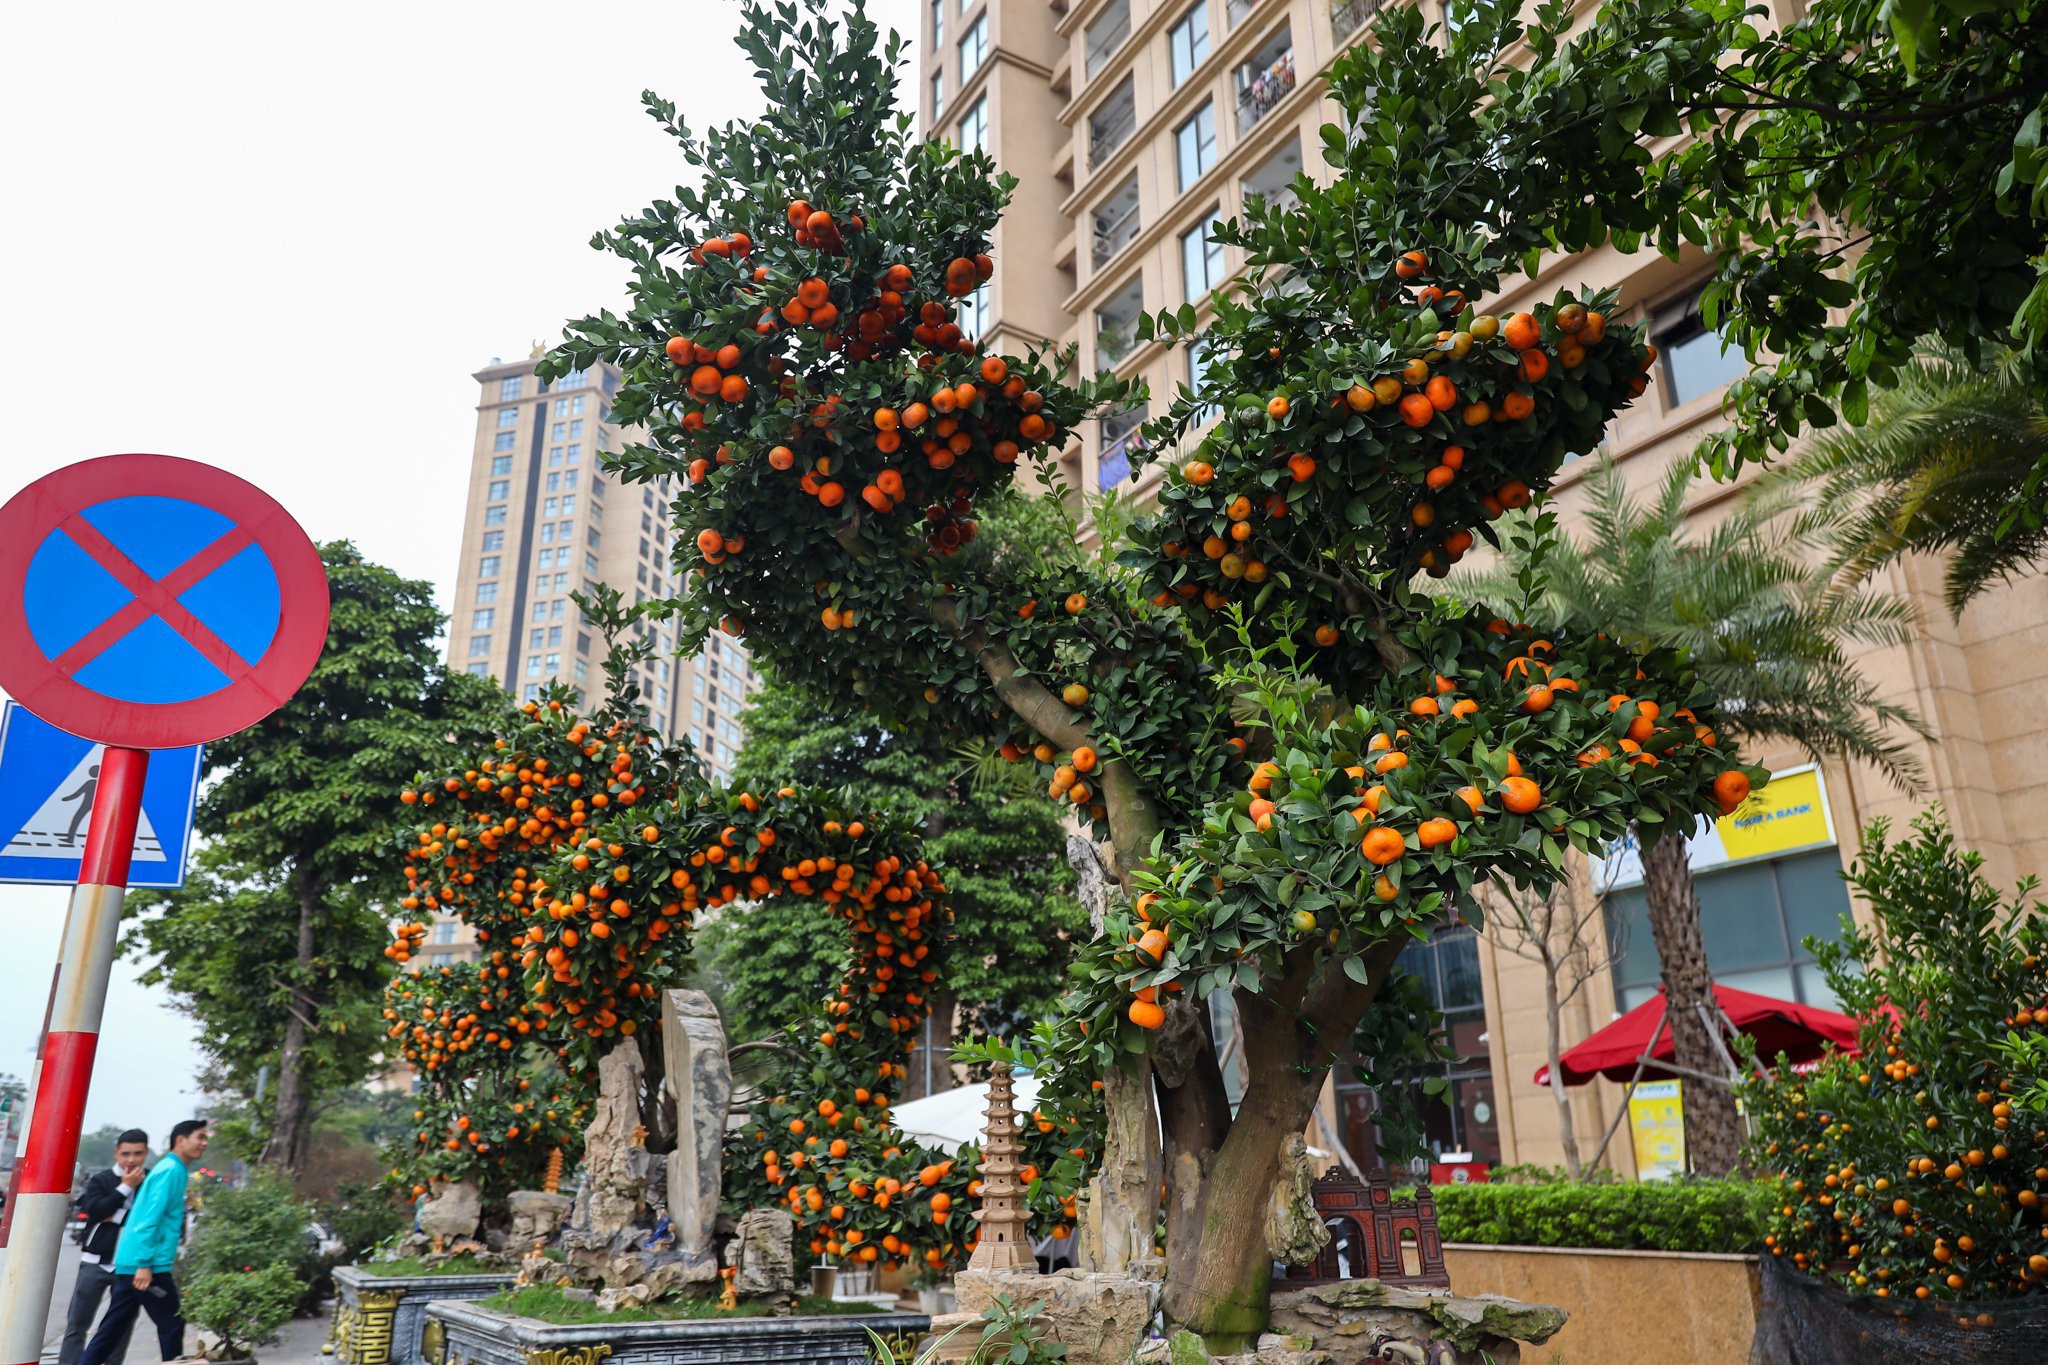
1567	1130
1221	1171
1713	1131
286	1146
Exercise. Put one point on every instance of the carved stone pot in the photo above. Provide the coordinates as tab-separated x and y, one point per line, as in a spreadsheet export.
378	1318
469	1334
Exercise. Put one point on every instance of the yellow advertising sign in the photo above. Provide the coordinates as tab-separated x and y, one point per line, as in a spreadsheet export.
1791	812
1656	1120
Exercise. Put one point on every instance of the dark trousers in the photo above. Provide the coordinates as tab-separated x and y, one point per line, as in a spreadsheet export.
160	1301
94	1280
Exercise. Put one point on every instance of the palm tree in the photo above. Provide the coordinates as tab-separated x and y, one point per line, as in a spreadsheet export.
1953	460
1768	628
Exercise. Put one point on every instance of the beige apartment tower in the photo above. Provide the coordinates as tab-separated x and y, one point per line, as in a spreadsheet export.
543	520
1131	125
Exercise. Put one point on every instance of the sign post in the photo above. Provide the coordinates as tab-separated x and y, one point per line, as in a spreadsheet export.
146	603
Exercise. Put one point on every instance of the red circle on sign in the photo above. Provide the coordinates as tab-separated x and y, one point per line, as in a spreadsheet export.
54	503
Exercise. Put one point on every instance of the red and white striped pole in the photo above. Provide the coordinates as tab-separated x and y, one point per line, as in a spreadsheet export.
40	1200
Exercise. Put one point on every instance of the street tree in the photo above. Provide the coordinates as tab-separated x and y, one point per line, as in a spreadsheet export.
274	943
1301	763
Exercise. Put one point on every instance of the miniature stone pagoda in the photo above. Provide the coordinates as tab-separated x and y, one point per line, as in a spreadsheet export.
1005	1243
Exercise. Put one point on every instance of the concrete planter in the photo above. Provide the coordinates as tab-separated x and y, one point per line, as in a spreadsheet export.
377	1318
1674	1307
474	1335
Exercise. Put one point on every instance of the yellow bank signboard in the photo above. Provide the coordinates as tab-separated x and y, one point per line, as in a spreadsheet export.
1787	815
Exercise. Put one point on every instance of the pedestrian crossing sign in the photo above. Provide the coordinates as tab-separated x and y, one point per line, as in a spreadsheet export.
47	780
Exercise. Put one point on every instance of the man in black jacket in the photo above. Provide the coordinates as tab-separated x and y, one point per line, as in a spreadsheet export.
105	1205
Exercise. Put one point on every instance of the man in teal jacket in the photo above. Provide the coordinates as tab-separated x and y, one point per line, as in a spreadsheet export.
147	1250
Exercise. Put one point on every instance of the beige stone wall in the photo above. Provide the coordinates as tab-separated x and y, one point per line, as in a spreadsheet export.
1676	1308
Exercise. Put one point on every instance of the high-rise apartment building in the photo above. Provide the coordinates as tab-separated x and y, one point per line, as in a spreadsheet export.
543	520
1131	125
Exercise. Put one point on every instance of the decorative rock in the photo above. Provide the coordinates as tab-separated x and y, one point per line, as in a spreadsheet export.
626	1296
539	1269
682	1277
1360	1321
763	1252
629	1268
1294	1231
1099	1317
613	1196
700	1079
452	1211
536	1216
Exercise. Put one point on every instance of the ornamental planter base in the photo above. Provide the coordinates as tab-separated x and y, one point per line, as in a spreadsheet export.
377	1318
470	1334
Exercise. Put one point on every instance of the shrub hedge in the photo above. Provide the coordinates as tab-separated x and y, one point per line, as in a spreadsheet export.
1691	1215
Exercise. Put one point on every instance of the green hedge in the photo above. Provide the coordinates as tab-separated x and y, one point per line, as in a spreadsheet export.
1696	1215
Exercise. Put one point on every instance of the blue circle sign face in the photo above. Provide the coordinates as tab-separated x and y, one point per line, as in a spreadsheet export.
153	602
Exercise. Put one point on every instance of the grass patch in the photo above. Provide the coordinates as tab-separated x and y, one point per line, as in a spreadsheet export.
547	1303
414	1266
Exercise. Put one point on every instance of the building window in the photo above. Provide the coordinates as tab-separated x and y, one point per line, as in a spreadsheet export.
503	440
554	635
509	389
486	592
537	637
483	618
576	427
581	670
1754	919
938	24
938	94
508	417
1201	259
494	540
547	532
974	128
479	645
582	642
1188	41
973	318
559	432
569	505
479	670
501	464
576	405
589	562
549	506
554	456
487	567
494	516
531	692
1696	361
974	48
499	490
575	454
1198	374
560	608
575	379
1194	144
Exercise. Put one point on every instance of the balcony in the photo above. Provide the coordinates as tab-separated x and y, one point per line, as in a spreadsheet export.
1262	83
1116	223
1112	124
1272	179
1116	325
1235	11
1105	36
1348	16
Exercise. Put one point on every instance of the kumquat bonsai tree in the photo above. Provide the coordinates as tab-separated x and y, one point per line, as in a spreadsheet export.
1300	762
1918	1169
585	849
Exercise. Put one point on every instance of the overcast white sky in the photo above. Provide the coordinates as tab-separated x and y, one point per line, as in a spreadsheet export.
280	238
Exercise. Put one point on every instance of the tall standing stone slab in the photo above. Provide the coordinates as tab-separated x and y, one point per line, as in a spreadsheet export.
700	1080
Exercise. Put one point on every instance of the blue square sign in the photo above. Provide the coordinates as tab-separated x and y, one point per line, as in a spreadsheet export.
47	779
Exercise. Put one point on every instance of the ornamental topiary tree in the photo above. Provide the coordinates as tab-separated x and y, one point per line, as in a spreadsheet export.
1301	763
583	849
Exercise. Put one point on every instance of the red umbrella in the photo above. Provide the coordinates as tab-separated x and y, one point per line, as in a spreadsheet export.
1801	1032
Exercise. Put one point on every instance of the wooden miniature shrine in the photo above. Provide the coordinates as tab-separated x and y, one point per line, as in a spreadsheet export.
1374	1236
